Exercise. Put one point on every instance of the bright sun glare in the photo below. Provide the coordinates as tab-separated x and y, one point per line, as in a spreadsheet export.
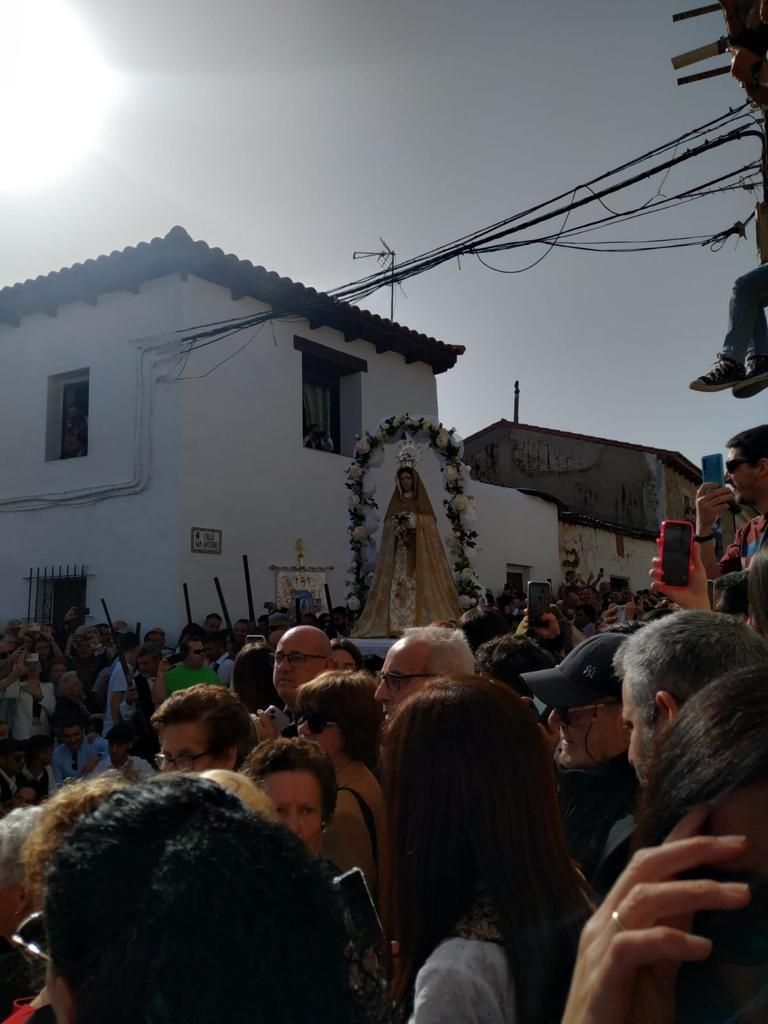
55	92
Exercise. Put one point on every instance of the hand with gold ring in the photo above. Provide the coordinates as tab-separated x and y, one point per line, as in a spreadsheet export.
633	946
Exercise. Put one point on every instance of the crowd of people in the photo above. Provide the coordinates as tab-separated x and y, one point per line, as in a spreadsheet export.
508	820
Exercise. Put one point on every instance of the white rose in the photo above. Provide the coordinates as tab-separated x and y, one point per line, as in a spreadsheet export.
460	502
457	440
362	448
360	533
467	574
465	601
473	601
354	500
450	473
442	439
353	603
354	472
382	435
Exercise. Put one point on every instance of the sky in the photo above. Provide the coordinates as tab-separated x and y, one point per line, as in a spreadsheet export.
294	133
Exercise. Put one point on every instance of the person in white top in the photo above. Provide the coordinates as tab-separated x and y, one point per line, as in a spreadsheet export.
120	739
486	911
216	647
35	701
121	693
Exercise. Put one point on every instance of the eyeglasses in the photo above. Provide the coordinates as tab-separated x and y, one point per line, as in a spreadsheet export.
295	657
30	937
731	464
316	723
567	713
181	763
394	680
196	650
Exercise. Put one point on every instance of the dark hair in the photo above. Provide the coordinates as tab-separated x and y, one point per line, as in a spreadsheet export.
627	628
218	636
149	651
252	677
758	592
225	717
733	592
716	744
506	657
588	610
148	634
181	845
37	744
446	748
127	642
184	645
753	442
340	610
120	733
482	624
213	615
301	755
192	631
347	698
341	643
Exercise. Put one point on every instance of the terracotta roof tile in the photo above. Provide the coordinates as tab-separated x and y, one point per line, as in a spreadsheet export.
177	252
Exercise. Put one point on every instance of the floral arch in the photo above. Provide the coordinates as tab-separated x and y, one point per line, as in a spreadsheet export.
363	509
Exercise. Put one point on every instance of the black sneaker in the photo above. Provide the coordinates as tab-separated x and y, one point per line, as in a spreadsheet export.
755	380
724	374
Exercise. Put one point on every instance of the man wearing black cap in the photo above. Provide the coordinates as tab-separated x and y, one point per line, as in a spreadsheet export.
597	783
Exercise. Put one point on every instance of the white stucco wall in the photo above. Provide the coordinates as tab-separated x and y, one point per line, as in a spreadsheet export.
245	469
116	510
596	549
222	451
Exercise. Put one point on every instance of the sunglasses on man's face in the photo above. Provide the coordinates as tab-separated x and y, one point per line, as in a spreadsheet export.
732	464
315	723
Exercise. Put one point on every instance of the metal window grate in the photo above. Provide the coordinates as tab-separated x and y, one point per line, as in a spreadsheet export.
52	591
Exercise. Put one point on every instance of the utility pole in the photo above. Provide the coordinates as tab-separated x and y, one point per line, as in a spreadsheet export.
384	257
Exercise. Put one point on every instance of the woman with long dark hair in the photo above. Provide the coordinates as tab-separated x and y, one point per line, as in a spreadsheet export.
484	902
252	677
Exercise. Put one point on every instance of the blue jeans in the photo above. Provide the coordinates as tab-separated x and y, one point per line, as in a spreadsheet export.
747	330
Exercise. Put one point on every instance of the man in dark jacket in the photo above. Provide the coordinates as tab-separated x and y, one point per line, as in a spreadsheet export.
597	783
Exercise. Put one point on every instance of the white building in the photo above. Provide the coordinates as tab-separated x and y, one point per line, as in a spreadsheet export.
211	439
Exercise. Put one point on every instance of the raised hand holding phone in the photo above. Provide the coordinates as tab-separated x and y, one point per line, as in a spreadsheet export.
676	548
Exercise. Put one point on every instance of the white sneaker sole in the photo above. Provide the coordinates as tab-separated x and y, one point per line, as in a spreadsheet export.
753	386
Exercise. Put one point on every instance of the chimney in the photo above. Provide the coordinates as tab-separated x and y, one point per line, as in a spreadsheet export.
517	401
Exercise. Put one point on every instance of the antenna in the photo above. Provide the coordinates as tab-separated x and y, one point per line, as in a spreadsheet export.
384	257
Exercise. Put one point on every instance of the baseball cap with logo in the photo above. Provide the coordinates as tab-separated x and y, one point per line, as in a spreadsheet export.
584	676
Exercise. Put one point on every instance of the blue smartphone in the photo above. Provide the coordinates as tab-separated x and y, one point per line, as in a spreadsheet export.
713	470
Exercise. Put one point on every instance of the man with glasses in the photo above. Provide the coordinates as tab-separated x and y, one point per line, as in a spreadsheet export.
302	654
422	653
597	783
202	728
746	477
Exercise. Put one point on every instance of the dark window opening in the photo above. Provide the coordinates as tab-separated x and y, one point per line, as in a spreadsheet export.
331	397
321	405
74	420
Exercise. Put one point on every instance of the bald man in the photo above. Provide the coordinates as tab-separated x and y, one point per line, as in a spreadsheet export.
302	654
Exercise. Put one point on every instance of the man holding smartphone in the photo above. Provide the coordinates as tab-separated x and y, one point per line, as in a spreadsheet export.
746	475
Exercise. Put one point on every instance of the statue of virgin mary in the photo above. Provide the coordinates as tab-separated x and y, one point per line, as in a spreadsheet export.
412	584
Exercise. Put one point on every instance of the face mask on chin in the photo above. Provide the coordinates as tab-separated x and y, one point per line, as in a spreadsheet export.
739	937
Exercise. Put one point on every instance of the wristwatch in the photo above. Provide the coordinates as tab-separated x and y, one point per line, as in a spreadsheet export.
703	538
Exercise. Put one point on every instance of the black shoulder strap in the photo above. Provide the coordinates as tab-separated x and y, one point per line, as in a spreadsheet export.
368	818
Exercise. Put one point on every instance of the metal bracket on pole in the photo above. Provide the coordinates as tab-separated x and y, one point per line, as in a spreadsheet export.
696	12
724	69
684	60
